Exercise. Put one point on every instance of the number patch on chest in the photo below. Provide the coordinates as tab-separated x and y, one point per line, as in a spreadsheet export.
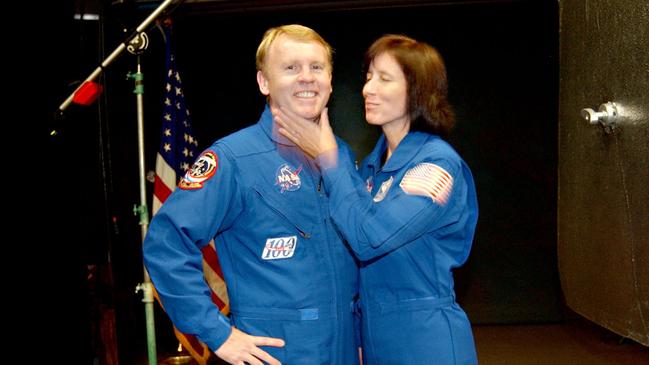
279	248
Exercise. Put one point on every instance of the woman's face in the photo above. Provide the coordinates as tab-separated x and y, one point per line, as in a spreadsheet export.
385	92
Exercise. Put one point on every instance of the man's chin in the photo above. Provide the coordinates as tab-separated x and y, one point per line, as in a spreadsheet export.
310	114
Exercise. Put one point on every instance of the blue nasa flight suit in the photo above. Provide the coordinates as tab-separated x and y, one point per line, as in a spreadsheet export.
288	272
408	245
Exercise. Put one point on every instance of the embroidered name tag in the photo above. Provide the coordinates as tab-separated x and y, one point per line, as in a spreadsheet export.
279	248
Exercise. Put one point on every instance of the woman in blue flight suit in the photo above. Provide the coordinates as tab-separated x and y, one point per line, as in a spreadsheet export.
410	216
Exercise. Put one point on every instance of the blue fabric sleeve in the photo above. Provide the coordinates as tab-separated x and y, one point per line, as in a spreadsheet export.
186	222
375	228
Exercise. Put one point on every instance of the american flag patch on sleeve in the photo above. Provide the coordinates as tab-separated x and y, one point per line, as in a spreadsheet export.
429	180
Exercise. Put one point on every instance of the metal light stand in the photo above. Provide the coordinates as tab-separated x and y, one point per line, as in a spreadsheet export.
136	43
137	46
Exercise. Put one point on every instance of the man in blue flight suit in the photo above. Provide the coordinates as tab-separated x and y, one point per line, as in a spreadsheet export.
291	280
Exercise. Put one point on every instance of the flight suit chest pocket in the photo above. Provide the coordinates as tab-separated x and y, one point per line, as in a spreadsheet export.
288	208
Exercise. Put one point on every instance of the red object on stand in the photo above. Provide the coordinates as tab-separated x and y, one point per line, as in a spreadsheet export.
87	93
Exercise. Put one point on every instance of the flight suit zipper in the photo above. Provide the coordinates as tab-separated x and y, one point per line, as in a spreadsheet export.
300	230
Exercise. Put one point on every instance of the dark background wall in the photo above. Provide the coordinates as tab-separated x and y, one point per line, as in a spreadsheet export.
503	75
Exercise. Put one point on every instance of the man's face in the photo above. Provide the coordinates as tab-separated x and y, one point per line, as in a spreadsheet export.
297	76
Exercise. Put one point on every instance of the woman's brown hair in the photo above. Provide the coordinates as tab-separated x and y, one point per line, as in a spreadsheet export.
425	74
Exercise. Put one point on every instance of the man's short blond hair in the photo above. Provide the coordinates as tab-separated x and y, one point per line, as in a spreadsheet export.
296	32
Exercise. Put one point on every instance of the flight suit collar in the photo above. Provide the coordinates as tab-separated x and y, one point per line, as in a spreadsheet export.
409	146
271	129
287	149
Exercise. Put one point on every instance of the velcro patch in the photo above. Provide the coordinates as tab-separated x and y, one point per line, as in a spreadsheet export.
279	248
383	190
204	168
288	178
429	180
369	185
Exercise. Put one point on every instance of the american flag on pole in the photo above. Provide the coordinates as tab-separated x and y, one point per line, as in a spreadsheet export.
178	149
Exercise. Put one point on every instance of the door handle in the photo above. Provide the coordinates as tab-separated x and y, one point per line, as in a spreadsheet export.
606	115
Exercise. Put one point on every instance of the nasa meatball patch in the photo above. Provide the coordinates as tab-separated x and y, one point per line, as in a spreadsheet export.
369	185
288	178
204	168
